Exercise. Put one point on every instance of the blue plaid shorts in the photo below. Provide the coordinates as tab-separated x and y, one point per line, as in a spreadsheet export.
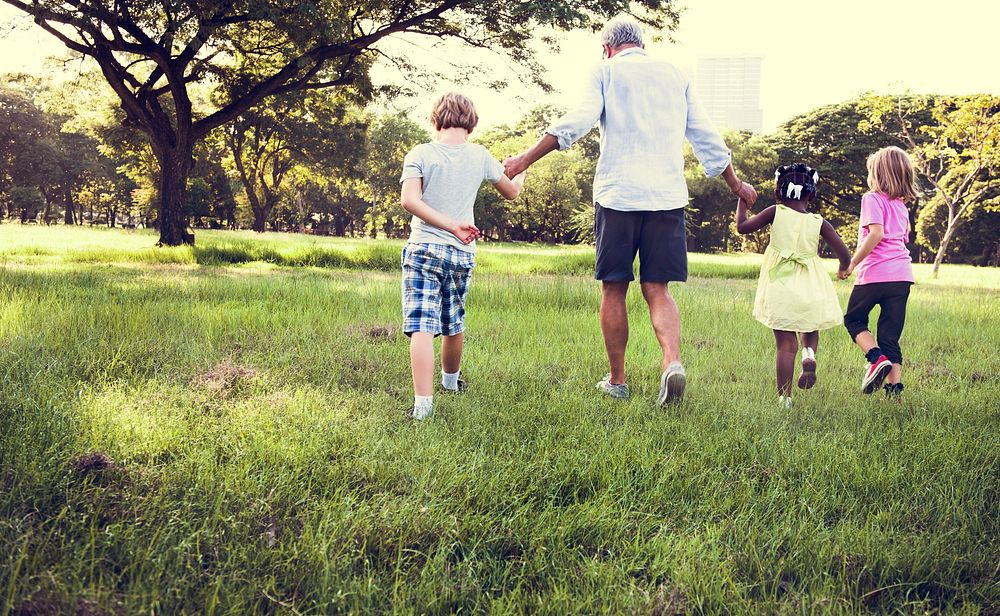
435	284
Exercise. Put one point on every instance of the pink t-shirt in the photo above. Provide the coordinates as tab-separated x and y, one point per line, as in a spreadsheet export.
889	261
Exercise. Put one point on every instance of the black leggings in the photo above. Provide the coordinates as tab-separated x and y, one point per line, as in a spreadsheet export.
891	296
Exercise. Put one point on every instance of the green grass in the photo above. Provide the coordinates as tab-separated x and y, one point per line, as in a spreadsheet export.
260	461
35	245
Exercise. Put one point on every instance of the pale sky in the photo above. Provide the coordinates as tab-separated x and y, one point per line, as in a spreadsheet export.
815	53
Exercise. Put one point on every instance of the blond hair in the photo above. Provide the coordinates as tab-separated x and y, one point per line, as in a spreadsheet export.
890	171
454	110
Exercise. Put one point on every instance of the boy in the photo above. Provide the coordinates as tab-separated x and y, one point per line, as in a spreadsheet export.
440	181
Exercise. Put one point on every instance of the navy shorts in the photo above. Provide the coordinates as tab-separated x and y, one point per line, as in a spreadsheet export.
435	284
659	238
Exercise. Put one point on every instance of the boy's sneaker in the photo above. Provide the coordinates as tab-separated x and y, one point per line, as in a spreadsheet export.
419	414
460	389
619	391
672	383
808	377
875	374
893	391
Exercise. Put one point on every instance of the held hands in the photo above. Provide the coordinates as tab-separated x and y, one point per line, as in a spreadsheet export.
514	166
844	274
745	192
466	232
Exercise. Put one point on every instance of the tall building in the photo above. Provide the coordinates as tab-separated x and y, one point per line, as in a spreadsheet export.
729	88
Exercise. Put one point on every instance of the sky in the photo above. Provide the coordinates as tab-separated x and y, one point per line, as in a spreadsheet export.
815	53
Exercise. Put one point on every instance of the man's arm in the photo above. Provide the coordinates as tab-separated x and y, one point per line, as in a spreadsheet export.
516	165
565	131
739	188
711	150
411	198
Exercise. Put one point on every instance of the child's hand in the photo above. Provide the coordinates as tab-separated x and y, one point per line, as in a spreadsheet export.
846	273
466	232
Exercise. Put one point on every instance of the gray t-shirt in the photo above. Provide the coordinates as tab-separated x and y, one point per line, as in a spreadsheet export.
452	175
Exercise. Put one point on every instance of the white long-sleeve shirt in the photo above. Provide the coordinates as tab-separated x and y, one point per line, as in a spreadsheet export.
646	108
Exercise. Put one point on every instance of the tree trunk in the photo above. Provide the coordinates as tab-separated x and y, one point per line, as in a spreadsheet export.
68	203
259	219
262	211
943	247
175	165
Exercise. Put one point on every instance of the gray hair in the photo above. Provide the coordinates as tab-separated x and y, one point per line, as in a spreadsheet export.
622	30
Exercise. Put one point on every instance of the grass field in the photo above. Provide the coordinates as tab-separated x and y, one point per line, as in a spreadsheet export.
220	430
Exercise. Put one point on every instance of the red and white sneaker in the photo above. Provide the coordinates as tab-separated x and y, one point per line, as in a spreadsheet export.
875	374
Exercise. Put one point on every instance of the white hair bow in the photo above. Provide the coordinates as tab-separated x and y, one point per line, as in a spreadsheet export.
794	191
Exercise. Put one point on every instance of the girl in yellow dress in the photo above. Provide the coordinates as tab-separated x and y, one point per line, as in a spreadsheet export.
795	295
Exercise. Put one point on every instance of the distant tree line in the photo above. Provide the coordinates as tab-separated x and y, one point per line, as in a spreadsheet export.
321	162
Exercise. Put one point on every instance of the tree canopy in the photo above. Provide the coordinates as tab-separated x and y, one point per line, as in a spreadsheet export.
152	51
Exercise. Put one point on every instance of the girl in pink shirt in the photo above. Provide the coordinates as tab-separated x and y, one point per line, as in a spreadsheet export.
882	265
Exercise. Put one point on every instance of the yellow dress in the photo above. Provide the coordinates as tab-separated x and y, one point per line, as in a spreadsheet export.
795	292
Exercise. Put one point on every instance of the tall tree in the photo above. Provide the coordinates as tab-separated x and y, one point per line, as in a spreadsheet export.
152	51
958	153
304	128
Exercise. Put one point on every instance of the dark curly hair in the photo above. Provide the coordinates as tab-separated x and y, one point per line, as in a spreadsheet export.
795	182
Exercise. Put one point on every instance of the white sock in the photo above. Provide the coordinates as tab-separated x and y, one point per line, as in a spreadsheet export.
449	381
808	353
675	366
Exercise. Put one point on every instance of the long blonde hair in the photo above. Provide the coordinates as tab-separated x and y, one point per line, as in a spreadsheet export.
890	171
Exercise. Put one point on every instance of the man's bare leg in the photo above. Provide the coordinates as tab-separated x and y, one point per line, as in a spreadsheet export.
666	320
614	326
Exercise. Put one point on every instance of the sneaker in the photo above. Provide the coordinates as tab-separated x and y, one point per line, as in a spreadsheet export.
785	402
672	383
461	386
615	390
893	391
419	414
808	376
875	374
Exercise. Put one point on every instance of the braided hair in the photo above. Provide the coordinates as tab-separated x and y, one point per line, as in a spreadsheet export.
796	182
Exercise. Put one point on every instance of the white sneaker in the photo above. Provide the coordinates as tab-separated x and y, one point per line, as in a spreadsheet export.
785	402
618	391
420	413
672	383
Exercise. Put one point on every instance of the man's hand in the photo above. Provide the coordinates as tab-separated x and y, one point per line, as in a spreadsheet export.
466	232
745	192
740	189
514	166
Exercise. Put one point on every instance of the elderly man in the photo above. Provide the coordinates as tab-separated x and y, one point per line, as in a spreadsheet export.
646	108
